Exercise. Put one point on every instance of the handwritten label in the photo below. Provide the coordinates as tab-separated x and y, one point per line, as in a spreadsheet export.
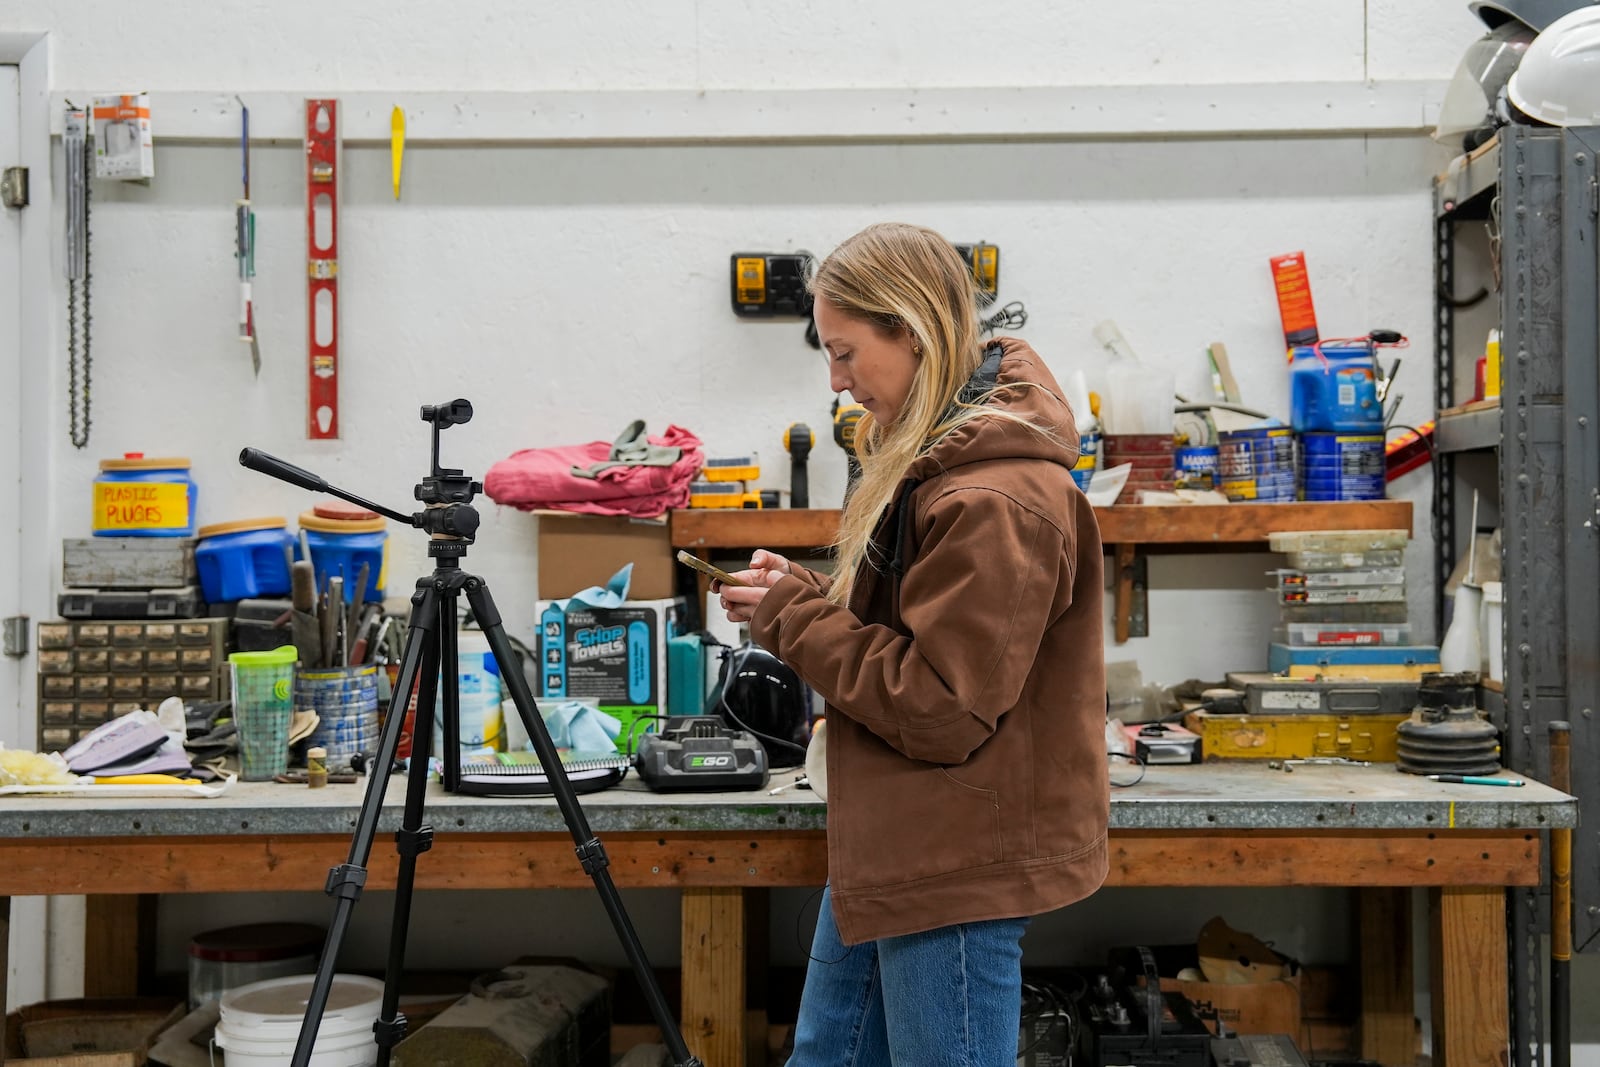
141	505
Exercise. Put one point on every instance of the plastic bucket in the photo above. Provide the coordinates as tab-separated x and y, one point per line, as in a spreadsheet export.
339	546
258	1024
139	497
262	709
220	960
243	560
346	702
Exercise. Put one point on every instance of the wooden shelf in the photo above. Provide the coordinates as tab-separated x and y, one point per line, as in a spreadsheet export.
1199	525
1122	530
1473	427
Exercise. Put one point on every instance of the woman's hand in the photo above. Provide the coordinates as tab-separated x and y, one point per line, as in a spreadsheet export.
765	571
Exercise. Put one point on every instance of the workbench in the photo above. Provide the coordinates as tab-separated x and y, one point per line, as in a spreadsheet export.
1239	824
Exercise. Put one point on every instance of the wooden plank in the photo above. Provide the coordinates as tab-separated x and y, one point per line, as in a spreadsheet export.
117	930
713	974
1388	1024
5	964
517	861
1469	984
1223	523
457	861
1123	596
790	528
1345	858
778	528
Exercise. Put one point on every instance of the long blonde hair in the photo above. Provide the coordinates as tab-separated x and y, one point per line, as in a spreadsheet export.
905	281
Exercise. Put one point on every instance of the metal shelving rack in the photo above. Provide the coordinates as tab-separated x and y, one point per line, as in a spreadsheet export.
1541	186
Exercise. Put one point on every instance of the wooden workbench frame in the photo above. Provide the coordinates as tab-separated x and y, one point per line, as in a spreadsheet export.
1467	871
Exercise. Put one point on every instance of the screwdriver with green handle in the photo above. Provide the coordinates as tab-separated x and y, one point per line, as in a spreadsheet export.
1471	779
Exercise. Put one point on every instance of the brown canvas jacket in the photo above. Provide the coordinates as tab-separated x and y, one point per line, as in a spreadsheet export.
966	699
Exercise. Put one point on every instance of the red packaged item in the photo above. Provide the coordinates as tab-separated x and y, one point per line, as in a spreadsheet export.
1293	286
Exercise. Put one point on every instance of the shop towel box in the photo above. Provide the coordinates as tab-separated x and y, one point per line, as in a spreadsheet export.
614	658
577	552
99	1032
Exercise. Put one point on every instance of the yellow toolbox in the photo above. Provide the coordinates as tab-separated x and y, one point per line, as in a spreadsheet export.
1362	737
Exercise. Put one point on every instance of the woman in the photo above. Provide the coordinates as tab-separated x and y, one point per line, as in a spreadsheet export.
959	648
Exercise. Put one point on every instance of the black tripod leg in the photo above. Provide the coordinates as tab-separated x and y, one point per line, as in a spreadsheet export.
346	881
591	853
413	838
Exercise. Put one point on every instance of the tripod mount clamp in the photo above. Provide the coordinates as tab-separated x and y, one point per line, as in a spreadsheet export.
446	493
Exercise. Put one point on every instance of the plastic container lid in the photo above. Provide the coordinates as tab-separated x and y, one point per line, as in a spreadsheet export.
257	943
281	1002
136	461
273	522
285	654
338	509
310	520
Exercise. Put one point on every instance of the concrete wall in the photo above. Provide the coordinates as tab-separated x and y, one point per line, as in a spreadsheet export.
568	289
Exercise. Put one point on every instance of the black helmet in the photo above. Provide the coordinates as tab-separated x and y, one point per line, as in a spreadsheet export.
757	693
1537	14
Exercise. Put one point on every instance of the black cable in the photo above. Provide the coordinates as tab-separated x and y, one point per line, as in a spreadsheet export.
1011	317
1134	759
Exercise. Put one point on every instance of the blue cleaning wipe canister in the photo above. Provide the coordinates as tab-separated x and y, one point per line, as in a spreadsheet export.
1257	464
1088	459
1336	466
1195	467
244	559
137	496
1333	388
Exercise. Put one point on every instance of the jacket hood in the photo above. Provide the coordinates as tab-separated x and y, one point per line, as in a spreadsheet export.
1028	389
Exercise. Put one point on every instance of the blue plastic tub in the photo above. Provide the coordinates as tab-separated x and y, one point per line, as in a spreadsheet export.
139	497
243	560
1335	391
340	546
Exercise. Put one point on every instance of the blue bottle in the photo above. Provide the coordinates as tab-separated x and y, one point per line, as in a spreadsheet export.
1333	389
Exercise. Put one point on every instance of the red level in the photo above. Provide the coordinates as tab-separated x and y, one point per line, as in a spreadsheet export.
322	267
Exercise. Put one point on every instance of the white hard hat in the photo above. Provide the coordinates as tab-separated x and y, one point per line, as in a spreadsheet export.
1558	80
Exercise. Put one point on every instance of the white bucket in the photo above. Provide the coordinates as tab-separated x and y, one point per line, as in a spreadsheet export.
259	1023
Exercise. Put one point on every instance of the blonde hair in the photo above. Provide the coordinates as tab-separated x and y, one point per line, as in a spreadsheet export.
905	281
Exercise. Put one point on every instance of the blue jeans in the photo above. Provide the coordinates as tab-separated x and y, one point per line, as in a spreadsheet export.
950	997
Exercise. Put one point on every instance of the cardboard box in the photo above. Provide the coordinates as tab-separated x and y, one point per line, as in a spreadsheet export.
1248	1008
615	658
109	1032
580	551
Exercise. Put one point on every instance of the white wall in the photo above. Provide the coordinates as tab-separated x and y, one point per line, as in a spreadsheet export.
567	290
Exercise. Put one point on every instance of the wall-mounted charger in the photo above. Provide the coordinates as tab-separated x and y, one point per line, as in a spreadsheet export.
771	284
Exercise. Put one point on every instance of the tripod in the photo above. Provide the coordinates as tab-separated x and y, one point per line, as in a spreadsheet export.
452	523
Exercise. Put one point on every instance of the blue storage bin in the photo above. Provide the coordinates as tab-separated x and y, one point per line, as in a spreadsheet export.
243	560
139	497
339	546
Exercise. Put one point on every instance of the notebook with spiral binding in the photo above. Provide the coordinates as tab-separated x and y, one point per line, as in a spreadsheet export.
519	774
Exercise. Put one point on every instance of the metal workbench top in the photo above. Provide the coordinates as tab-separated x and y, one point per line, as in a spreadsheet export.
1218	796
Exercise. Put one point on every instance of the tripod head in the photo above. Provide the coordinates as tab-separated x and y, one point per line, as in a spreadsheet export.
445	492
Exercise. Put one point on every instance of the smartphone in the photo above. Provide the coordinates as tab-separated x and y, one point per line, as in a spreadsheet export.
703	567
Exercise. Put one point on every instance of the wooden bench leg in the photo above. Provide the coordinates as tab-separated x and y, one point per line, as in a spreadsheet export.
118	943
1471	1000
713	974
5	960
1388	1002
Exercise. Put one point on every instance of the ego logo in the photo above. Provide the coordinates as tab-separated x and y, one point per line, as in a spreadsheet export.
710	763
